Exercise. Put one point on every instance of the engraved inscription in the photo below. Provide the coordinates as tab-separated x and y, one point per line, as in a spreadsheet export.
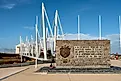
90	52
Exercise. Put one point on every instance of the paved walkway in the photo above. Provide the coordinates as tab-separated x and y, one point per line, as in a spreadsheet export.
28	75
116	63
6	72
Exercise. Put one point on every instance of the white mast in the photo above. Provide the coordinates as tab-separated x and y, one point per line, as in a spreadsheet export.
26	45
100	32
78	28
44	33
120	31
21	48
55	30
26	39
32	50
47	33
36	41
60	26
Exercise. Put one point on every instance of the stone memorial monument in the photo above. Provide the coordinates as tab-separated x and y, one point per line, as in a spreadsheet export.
83	53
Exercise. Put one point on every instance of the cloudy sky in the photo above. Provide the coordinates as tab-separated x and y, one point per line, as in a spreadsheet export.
17	17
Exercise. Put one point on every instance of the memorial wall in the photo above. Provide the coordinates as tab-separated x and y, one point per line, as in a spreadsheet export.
83	53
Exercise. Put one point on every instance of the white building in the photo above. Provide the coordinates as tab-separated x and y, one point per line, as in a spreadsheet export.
18	49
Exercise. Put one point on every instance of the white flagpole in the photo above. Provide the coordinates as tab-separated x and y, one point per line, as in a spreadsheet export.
120	30
100	32
78	27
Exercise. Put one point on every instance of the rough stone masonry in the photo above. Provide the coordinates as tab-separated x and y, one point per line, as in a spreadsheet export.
83	53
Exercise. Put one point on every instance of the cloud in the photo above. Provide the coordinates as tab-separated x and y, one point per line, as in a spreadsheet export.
82	36
29	27
8	6
114	40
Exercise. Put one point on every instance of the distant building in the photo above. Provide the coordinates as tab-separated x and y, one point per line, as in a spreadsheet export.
18	49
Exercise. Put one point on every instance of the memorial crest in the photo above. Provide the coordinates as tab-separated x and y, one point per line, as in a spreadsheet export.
65	51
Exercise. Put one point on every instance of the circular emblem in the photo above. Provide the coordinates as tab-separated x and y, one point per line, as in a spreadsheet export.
65	51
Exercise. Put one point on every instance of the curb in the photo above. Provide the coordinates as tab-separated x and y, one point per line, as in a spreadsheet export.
41	73
13	73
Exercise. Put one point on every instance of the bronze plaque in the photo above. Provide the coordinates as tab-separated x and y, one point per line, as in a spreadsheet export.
65	51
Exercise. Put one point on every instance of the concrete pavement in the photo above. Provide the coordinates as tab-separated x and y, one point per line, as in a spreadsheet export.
7	72
29	75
